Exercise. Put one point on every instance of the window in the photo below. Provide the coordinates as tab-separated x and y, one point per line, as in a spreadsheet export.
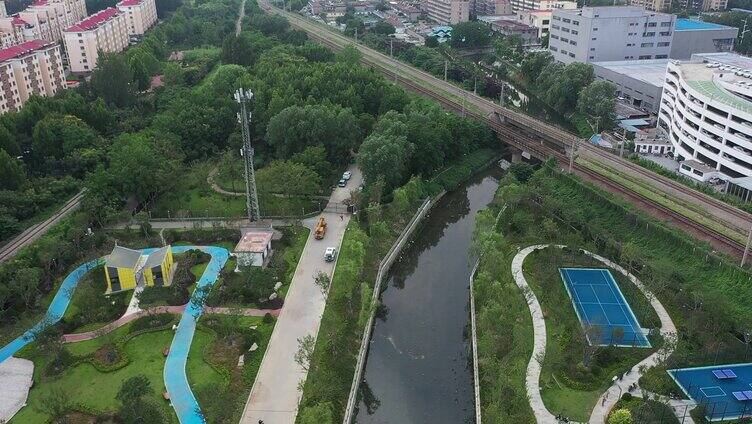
663	44
643	57
554	36
571	54
661	56
595	29
665	33
648	34
592	49
555	26
647	45
556	18
552	48
564	40
563	51
546	22
631	34
572	42
566	21
576	23
666	24
594	38
652	24
565	29
630	44
592	57
574	32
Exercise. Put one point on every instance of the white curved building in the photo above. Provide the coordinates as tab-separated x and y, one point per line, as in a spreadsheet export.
706	109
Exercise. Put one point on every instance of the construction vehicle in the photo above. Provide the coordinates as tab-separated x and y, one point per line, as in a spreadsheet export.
320	229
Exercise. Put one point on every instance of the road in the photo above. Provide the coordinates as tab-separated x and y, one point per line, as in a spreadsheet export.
274	397
32	233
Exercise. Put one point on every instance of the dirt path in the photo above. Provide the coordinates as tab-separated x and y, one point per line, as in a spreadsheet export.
239	23
125	319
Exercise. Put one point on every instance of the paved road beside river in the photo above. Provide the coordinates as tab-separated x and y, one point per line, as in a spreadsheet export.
274	398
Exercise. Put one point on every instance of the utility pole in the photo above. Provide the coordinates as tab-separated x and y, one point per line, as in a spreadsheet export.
571	156
746	247
744	32
391	47
501	95
243	96
446	64
623	141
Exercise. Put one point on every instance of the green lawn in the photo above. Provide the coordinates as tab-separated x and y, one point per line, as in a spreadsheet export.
568	384
97	390
192	196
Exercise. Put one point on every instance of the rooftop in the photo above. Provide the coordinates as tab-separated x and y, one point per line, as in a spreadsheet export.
126	3
692	25
23	49
698	166
122	257
254	241
156	257
745	182
95	20
652	71
726	84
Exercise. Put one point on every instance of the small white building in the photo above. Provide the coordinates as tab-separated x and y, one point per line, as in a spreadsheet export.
254	248
650	142
698	170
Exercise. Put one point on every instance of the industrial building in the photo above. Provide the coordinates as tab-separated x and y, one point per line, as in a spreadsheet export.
692	37
638	82
599	34
518	5
105	31
707	112
30	68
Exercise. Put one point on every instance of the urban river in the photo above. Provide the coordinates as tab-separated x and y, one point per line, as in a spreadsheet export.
418	368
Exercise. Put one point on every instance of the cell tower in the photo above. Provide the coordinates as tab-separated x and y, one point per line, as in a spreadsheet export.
243	96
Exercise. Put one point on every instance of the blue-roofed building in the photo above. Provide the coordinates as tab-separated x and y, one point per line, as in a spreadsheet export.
693	36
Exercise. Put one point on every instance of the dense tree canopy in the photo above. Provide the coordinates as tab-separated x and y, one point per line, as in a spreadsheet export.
288	177
12	174
597	101
470	34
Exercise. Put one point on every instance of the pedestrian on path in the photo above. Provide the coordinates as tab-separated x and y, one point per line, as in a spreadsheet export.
341	218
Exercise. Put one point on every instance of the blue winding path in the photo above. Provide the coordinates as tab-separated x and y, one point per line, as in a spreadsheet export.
183	401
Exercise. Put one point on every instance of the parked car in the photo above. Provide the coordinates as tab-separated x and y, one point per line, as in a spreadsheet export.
347	175
330	253
342	183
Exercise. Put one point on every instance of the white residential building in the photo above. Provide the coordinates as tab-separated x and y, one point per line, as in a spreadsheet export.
105	31
706	109
32	67
140	15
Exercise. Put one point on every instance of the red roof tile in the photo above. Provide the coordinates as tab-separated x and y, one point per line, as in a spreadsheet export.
23	49
129	3
94	20
17	21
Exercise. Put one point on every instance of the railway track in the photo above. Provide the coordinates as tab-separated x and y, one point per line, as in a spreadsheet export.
528	134
37	230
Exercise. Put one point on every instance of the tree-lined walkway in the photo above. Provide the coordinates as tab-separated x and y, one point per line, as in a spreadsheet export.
609	398
126	318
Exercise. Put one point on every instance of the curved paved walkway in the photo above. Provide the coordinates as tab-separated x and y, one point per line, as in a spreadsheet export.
609	398
216	187
532	375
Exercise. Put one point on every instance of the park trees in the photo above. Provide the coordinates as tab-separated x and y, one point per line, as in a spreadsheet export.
113	80
470	34
12	174
58	135
135	405
597	101
295	128
565	83
385	157
288	177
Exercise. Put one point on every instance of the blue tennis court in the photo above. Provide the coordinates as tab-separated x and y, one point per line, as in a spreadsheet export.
724	390
602	309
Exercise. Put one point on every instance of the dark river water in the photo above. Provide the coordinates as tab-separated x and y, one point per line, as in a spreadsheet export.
417	369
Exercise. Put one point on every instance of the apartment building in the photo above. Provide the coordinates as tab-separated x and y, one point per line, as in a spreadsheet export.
707	112
32	67
105	31
14	30
140	15
448	12
492	7
518	5
652	5
599	34
704	5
